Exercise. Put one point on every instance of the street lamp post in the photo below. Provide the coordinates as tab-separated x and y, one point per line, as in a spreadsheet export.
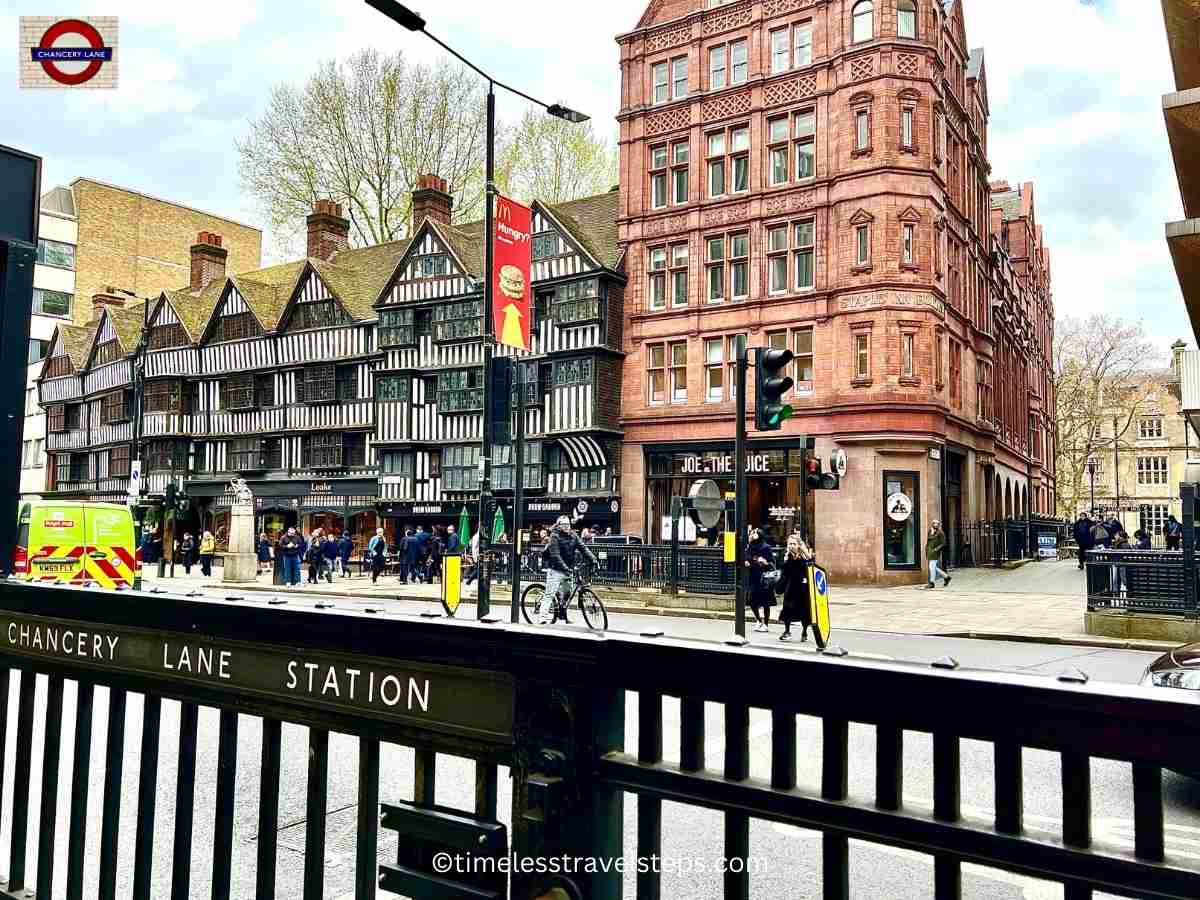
1091	467
402	15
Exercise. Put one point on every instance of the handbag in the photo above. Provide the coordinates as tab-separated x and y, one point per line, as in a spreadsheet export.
770	579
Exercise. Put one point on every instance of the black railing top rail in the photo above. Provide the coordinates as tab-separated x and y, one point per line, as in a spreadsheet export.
1116	721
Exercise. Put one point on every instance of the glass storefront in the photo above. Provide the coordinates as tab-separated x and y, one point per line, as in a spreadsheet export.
901	520
777	501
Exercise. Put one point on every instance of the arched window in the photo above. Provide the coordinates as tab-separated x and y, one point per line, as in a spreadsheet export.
906	18
864	21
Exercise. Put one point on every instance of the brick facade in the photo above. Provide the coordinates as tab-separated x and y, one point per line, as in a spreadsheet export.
876	148
140	244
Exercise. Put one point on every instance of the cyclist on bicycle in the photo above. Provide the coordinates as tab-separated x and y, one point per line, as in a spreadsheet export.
561	553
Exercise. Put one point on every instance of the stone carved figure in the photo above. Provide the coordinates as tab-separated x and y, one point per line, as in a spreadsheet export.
241	491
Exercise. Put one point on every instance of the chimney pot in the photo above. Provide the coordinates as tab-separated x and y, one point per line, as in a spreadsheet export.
208	260
106	297
328	231
431	200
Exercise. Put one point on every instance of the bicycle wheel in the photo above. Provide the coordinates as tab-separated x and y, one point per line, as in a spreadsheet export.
593	610
531	599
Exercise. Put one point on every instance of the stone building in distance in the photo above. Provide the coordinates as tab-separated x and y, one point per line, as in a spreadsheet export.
813	174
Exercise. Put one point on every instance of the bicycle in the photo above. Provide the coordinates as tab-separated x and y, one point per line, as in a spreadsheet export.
594	613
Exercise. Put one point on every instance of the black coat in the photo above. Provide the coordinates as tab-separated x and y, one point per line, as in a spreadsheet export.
1083	534
264	550
797	602
760	594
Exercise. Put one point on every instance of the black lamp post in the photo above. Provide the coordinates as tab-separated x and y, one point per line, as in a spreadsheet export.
1091	467
402	15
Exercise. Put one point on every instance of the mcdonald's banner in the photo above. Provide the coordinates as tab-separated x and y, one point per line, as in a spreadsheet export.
512	261
818	595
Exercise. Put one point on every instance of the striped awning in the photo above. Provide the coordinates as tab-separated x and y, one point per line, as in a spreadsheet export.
584	452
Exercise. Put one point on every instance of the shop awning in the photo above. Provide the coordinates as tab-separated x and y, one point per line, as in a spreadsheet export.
584	452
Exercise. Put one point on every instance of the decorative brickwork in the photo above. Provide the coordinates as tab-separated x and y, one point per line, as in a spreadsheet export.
908	65
789	91
786	203
862	67
669	120
726	106
778	7
667	38
727	20
666	225
727	214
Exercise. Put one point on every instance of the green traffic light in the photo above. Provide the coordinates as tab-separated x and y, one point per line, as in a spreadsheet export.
779	414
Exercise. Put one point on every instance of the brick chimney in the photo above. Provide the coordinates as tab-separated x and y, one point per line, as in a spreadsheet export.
108	296
1000	187
328	232
431	200
208	260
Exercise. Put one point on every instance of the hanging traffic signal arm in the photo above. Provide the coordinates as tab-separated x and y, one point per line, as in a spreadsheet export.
770	384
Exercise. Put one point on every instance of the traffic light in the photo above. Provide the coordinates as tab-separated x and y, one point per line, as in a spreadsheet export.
770	384
818	480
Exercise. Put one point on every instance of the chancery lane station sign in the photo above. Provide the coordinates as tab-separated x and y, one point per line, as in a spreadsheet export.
463	702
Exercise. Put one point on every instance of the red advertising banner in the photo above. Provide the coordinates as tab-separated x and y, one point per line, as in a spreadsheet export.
512	261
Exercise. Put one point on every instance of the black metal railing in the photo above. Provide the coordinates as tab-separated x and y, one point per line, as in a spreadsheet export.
1138	580
562	696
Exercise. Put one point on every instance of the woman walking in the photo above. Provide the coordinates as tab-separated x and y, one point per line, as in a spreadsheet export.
264	553
208	546
762	597
186	548
797	601
377	554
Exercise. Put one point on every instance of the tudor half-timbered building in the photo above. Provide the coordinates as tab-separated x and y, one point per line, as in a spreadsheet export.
86	388
429	385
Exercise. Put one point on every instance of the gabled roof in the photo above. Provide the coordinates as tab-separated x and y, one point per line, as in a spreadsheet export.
357	277
195	309
592	222
267	291
76	342
127	325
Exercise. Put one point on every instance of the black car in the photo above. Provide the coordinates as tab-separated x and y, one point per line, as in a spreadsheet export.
1178	668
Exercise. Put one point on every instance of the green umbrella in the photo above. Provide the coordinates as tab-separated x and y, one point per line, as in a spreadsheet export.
464	527
498	528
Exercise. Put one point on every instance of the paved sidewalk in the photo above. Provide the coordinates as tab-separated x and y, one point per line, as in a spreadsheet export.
1040	601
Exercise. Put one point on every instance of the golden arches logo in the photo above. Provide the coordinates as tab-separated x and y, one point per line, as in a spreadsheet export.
503	211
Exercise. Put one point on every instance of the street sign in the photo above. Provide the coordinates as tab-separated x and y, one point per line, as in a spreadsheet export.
135	479
707	502
838	462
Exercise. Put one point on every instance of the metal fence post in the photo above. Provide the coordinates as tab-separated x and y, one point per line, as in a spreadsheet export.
673	574
1187	494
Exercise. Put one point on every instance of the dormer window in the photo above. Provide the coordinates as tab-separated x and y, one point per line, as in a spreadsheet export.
546	245
107	352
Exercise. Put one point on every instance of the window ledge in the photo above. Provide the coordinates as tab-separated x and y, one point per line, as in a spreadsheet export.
911	150
855	154
910	381
861	382
861	270
909	267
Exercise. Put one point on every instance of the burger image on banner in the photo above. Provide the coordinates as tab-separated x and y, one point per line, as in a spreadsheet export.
512	282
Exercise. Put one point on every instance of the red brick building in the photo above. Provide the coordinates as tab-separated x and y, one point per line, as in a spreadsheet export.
813	174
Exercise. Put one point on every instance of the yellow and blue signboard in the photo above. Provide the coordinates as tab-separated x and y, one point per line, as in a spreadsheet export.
818	596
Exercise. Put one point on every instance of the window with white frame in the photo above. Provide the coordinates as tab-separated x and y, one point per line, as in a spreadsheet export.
739	66
908	253
716	163
734	344
656	374
862	245
1150	428
679	77
739	265
714	370
781	51
714	258
55	253
1152	469
679	172
804	124
802	340
739	159
658	278
51	303
1152	518
863	21
666	373
804	253
678	358
906	18
658	177
679	275
862	355
717	69
777	259
802	37
907	341
777	150
862	130
662	87
907	118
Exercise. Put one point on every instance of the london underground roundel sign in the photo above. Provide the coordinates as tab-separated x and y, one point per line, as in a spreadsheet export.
50	54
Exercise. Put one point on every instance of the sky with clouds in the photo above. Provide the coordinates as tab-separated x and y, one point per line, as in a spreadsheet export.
1075	88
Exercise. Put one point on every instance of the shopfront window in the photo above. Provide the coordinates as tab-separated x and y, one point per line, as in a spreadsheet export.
901	520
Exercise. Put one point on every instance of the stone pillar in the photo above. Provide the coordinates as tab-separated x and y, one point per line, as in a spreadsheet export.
241	563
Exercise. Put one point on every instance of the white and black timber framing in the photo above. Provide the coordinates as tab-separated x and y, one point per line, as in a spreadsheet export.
350	384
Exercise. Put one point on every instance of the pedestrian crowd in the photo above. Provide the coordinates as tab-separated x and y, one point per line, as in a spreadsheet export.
1109	534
